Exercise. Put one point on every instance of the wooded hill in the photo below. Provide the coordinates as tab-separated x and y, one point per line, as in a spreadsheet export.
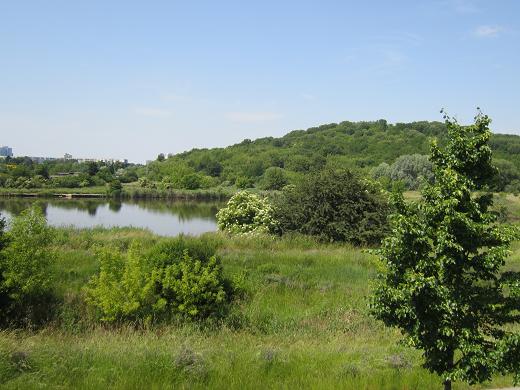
356	145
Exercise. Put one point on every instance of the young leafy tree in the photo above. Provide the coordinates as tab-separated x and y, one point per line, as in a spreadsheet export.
443	285
3	243
25	262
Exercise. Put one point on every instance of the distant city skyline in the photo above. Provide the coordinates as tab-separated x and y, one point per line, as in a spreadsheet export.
6	151
130	79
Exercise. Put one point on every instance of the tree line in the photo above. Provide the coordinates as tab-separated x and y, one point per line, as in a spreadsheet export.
387	152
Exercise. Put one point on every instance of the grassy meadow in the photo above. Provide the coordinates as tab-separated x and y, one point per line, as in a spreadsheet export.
301	321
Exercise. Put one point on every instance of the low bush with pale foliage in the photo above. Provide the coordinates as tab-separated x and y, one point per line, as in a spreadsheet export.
246	213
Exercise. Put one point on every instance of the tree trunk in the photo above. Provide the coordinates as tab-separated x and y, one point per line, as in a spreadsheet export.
450	359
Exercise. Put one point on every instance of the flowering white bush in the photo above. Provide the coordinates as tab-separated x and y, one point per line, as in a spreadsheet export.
246	213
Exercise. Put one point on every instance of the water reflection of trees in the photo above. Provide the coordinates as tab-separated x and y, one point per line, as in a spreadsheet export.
15	206
88	205
114	205
184	210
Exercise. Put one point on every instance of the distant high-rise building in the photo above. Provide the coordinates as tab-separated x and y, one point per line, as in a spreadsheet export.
6	151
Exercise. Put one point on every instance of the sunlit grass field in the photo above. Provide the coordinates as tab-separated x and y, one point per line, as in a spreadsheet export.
302	321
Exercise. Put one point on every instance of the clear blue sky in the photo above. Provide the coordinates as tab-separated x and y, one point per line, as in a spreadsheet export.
134	78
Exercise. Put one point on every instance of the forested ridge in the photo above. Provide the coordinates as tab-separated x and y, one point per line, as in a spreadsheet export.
360	146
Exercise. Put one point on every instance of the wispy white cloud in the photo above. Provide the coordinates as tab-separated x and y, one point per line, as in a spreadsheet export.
400	38
249	117
461	7
392	57
308	96
465	7
384	61
153	112
175	97
486	31
382	55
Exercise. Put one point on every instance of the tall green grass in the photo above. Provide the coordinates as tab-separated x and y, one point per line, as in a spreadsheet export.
301	320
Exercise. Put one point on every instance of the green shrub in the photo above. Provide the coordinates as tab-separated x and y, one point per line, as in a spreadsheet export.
114	188
507	176
191	287
274	179
244	182
25	282
193	181
177	277
119	289
169	251
71	181
333	205
246	213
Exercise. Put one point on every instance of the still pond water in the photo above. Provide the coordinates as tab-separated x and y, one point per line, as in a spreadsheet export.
167	218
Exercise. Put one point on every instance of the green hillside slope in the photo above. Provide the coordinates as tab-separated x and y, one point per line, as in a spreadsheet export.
355	145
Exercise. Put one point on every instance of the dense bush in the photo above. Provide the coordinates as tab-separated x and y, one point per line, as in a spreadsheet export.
167	252
244	182
119	290
175	277
334	205
274	179
25	260
191	287
246	213
114	189
192	181
66	182
507	177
